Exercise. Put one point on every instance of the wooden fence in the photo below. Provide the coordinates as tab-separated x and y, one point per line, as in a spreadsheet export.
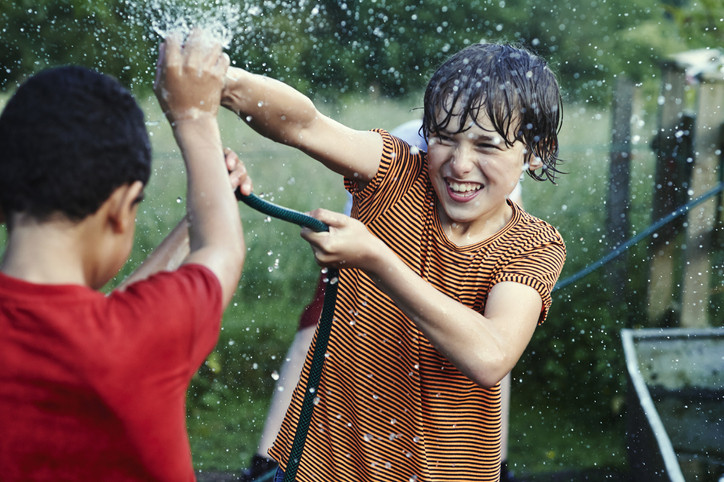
688	147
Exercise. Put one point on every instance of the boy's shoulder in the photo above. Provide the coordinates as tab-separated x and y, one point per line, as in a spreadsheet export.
530	221
180	283
529	231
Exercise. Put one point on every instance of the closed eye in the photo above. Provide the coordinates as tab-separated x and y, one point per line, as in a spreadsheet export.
487	146
443	139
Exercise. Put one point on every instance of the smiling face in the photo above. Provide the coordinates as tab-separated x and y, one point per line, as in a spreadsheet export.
473	171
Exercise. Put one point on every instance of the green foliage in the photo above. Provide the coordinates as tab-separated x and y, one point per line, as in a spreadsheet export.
699	22
390	48
48	33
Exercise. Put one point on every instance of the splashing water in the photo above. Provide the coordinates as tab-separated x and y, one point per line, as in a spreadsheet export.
220	19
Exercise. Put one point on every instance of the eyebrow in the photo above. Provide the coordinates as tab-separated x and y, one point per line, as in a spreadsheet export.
493	138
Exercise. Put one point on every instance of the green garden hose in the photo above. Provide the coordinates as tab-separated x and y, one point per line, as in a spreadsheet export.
279	212
325	326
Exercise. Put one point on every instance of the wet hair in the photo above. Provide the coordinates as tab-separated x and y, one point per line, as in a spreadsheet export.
68	138
512	86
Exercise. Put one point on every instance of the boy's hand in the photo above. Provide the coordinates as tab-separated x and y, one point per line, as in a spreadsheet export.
238	177
348	244
189	77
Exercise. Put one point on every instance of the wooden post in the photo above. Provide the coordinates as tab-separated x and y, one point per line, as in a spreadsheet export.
702	219
663	247
619	173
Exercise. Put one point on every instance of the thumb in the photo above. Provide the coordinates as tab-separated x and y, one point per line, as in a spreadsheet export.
330	218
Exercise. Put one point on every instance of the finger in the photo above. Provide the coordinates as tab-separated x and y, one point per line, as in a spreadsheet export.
231	159
328	217
172	49
307	234
159	65
201	49
192	49
236	175
222	64
246	186
316	239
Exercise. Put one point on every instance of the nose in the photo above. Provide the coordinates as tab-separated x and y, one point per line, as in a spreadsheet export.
462	161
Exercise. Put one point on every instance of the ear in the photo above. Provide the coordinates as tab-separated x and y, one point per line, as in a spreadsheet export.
122	206
534	162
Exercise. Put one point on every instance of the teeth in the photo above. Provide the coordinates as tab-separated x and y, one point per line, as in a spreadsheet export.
464	186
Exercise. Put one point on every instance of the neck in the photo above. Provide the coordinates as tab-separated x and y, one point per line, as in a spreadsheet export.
465	234
53	252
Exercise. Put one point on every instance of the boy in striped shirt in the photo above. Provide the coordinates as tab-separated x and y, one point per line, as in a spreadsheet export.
442	278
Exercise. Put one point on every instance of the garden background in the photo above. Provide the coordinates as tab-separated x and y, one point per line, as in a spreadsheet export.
366	63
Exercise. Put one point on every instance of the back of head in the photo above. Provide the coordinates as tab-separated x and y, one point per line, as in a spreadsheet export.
513	87
69	137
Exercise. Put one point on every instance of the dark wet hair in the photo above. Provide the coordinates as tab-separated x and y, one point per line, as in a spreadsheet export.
68	138
512	86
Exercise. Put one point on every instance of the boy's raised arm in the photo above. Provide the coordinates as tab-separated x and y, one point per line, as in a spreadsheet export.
188	85
285	115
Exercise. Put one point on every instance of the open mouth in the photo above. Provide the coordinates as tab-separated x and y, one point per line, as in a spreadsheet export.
463	190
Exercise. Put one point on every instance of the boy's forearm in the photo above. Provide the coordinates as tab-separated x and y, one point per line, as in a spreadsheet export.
270	107
213	215
285	115
466	338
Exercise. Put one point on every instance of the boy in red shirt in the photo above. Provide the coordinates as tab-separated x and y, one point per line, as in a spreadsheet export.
93	386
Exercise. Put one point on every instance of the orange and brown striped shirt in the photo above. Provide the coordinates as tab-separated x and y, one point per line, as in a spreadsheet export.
390	406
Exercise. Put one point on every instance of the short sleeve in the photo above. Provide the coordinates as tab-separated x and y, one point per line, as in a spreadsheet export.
183	306
539	268
399	168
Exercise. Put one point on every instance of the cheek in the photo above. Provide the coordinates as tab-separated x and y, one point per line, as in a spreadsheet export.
433	163
438	155
125	250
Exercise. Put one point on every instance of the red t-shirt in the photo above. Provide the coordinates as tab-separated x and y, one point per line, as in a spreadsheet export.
93	387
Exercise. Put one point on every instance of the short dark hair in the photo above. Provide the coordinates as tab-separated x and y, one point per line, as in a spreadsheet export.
69	137
512	86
